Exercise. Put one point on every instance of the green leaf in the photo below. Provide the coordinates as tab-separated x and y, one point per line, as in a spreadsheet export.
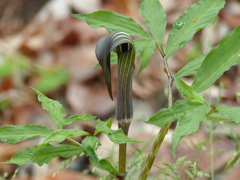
155	17
46	153
179	109
116	136
188	124
162	117
226	113
191	67
89	146
187	91
113	22
62	134
54	108
218	60
22	157
139	45
199	15
79	117
51	79
14	134
43	155
146	53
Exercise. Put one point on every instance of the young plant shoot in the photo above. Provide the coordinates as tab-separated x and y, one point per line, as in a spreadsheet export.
122	44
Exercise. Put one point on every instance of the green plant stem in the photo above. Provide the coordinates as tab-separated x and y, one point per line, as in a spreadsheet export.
162	133
152	155
211	150
124	125
124	109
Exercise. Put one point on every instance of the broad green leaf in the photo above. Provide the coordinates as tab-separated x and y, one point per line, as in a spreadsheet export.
51	79
22	157
146	53
113	22
218	60
226	113
79	117
116	136
43	155
191	67
46	153
187	91
54	108
199	15
179	109
162	117
139	45
101	126
14	134
155	17
89	146
62	134
188	124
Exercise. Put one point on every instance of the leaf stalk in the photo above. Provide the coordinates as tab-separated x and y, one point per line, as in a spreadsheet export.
162	133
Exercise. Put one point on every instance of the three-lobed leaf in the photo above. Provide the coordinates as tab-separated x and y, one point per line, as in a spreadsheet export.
14	134
218	60
199	15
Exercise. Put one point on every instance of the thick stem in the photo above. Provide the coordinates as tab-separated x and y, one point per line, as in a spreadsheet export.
124	111
124	125
152	155
162	133
211	150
